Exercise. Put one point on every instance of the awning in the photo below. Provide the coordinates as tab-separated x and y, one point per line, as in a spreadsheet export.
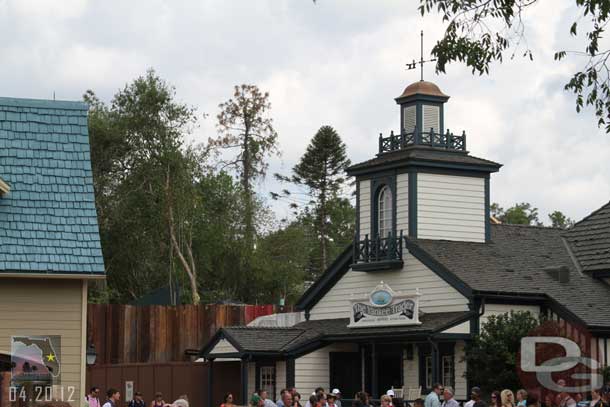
240	342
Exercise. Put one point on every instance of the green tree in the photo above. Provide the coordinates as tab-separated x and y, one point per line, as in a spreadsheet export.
559	220
519	214
144	177
494	351
244	124
480	32
322	170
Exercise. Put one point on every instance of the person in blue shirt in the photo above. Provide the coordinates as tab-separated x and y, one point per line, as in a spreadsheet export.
432	399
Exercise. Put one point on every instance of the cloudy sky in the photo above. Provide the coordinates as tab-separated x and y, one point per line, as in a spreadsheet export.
334	62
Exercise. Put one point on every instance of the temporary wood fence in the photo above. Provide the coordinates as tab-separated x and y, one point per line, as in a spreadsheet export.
158	333
172	379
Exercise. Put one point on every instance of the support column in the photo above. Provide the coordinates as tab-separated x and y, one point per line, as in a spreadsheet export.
290	379
210	382
244	383
435	363
374	378
362	368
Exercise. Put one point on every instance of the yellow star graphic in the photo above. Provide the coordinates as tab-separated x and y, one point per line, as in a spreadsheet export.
51	357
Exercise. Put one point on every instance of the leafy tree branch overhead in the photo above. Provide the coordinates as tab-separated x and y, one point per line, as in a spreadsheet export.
480	32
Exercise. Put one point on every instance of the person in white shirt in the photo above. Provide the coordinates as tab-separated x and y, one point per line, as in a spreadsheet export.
337	394
432	399
475	395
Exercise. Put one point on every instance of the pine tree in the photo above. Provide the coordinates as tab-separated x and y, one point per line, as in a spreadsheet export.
322	169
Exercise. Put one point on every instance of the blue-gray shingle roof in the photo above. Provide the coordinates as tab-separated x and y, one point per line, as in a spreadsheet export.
48	221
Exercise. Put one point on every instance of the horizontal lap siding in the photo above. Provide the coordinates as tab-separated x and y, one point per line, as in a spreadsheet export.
45	307
437	295
402	203
280	377
251	379
450	207
497	309
411	370
460	371
365	207
312	370
224	346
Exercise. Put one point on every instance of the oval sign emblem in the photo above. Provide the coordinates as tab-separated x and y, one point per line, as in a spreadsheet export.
381	297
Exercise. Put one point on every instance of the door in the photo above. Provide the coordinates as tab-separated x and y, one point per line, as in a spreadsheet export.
345	373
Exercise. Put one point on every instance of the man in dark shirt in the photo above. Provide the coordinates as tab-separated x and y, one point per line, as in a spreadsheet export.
137	401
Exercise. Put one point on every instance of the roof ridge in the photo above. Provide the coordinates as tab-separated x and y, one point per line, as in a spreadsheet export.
604	206
518	225
43	103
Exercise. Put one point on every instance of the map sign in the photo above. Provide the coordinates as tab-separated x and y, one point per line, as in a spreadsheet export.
36	359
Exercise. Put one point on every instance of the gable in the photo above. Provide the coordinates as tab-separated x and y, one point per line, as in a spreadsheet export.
437	294
224	346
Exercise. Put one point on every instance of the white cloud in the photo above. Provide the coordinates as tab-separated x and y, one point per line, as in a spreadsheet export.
334	62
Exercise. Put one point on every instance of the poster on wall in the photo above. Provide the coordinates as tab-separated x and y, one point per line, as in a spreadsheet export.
384	307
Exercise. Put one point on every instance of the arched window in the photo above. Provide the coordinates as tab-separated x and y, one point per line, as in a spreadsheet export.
384	211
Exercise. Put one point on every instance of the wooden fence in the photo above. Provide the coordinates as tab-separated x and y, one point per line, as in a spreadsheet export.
172	379
158	333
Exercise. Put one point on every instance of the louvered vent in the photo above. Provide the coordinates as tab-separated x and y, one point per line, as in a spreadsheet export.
431	118
409	118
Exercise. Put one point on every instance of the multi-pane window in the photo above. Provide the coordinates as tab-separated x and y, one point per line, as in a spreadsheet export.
267	380
384	207
428	370
447	367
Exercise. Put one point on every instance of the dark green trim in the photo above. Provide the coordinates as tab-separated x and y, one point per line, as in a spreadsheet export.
424	164
377	184
412	203
438	268
211	382
358	207
219	335
421	98
290	373
384	265
600	274
330	277
244	383
374	372
487	211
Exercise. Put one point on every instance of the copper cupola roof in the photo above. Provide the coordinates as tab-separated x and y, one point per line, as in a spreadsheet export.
422	88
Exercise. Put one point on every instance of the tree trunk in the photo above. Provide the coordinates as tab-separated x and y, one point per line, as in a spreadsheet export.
248	205
322	226
189	266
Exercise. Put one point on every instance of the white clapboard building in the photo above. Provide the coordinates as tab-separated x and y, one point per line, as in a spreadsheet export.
426	269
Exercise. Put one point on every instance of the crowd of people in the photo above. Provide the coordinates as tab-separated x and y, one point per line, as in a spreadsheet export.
113	399
440	396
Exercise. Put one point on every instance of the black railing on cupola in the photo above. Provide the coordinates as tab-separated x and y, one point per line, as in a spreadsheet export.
378	253
447	141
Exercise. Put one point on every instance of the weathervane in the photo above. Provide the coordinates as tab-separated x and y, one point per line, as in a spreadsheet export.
421	61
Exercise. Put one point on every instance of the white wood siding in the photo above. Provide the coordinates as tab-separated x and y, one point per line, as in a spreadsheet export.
365	208
409	118
450	207
280	377
497	309
312	370
47	307
431	118
603	351
402	204
411	370
437	295
251	379
460	371
463	328
224	346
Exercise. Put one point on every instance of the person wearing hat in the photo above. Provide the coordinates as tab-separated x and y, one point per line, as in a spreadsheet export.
475	395
256	401
330	400
337	394
390	394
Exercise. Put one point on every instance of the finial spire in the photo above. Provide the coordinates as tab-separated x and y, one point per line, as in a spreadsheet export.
421	62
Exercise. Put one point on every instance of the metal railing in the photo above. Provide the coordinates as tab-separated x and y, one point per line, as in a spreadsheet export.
378	248
447	140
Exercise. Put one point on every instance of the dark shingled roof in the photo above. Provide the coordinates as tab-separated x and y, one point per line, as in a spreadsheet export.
590	240
517	261
283	340
424	154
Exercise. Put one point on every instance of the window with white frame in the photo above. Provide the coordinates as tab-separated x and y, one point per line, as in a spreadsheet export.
267	380
384	211
428	370
447	368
